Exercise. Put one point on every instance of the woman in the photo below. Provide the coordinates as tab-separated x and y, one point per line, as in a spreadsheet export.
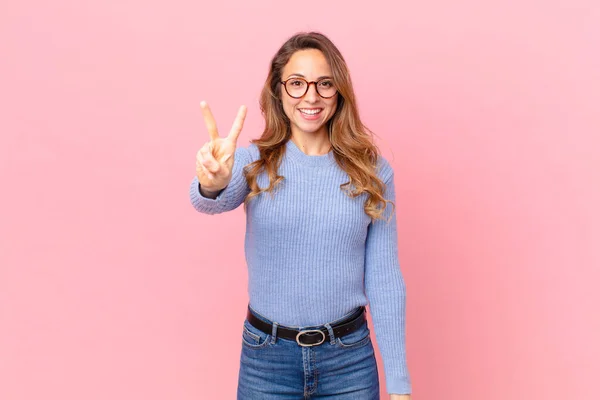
321	239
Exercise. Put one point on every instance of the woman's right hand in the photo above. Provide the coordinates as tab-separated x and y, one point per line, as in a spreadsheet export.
214	160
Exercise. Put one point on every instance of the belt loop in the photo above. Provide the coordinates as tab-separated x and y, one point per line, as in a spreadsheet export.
274	332
331	335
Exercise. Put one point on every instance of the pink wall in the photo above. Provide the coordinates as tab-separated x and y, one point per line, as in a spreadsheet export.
488	112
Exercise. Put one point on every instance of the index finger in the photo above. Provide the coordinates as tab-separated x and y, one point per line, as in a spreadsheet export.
238	124
209	121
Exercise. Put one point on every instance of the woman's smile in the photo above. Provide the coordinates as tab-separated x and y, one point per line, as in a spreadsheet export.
310	114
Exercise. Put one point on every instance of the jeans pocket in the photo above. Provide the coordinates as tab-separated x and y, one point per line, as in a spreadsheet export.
253	337
358	338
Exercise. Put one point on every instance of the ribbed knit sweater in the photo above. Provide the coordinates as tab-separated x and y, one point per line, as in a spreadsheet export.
313	254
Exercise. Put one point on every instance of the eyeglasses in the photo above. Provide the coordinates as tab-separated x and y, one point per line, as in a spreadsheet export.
298	87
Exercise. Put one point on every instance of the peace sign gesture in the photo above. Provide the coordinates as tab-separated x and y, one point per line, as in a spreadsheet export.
214	161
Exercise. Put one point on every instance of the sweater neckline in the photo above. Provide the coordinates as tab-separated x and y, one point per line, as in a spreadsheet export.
309	160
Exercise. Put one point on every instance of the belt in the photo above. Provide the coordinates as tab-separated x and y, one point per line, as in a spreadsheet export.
311	337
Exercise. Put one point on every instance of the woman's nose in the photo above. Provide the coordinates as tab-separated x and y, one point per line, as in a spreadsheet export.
311	94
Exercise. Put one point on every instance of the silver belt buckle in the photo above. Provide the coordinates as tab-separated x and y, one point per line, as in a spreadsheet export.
310	330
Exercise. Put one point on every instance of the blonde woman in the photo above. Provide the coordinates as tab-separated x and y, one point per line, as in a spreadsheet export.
321	239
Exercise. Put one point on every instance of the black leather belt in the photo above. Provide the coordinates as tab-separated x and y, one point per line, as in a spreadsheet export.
311	337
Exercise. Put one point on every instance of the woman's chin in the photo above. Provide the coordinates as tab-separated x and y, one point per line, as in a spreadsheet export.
310	128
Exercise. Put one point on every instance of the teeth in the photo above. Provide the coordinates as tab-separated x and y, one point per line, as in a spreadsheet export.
311	112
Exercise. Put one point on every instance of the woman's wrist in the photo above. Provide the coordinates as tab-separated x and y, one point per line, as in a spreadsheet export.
210	194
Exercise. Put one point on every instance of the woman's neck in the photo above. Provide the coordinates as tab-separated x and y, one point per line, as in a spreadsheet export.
313	144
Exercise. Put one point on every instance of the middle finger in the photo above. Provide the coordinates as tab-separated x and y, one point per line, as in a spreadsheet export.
209	121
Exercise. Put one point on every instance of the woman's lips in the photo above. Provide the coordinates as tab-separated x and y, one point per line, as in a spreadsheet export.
310	114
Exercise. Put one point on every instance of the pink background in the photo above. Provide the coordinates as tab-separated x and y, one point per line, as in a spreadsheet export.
111	285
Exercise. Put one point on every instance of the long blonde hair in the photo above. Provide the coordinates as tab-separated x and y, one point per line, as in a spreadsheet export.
352	143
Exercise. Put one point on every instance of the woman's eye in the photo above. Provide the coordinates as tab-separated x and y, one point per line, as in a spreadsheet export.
326	84
296	82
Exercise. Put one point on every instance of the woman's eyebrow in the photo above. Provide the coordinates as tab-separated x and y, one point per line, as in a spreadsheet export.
302	76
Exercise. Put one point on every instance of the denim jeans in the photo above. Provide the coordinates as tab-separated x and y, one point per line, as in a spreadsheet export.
273	368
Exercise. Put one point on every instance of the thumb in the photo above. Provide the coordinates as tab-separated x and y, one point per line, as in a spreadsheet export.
208	160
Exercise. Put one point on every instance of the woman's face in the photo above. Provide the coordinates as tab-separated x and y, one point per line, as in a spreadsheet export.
310	113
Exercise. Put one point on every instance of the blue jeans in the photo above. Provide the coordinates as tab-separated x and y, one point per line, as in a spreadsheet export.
273	368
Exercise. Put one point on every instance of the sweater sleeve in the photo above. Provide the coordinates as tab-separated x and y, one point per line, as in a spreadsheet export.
386	292
231	196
